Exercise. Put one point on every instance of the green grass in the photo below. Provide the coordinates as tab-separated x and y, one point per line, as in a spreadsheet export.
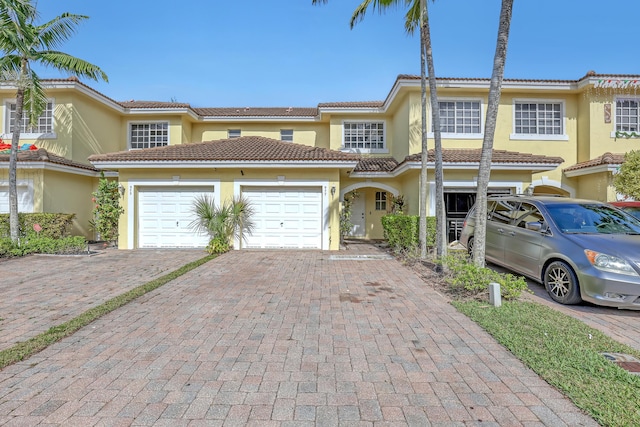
566	353
24	349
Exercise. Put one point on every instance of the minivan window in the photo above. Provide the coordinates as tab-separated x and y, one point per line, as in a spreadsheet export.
502	210
527	213
592	218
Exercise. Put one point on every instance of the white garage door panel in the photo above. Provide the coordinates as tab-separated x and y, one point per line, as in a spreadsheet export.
286	218
164	217
25	199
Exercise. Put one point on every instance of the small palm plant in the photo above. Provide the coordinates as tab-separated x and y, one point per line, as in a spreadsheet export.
223	223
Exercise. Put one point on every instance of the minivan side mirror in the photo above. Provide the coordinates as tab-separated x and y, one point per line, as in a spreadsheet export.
536	226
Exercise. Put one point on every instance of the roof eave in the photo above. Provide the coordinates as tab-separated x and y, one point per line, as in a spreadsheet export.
541	167
258	119
591	170
28	165
199	164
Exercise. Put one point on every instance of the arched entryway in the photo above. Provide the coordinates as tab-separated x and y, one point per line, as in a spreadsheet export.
368	202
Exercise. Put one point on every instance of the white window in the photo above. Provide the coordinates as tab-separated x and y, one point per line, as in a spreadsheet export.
461	117
627	115
286	135
43	127
538	119
381	200
233	133
148	135
364	136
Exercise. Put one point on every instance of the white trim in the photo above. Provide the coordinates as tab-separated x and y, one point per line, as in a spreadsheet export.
591	170
58	168
238	184
517	185
226	119
553	183
132	200
539	167
157	164
368	184
534	136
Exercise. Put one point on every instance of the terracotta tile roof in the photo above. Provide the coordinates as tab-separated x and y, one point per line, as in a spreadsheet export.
42	155
246	148
376	164
257	112
354	104
498	156
605	159
153	104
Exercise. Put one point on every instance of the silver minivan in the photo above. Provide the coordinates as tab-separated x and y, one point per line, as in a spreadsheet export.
579	249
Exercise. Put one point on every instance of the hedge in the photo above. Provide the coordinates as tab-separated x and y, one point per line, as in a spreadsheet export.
403	231
54	225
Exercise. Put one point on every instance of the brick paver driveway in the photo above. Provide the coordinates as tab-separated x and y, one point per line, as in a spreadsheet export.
283	338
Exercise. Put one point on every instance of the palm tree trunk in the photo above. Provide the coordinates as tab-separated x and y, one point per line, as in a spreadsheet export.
14	224
484	173
422	235
441	220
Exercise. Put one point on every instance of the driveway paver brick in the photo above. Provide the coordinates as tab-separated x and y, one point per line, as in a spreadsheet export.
281	338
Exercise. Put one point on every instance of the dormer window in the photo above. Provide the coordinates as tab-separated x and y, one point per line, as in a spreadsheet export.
365	136
148	135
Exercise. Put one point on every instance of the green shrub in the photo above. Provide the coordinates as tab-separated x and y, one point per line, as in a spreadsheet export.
107	209
36	244
54	225
467	278
403	231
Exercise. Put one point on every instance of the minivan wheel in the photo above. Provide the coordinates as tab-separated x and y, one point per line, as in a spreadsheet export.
561	283
470	247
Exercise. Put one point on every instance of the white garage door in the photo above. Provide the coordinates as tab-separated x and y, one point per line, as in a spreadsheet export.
285	218
164	216
25	199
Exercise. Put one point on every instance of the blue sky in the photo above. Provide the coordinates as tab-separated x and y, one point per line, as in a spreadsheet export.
289	53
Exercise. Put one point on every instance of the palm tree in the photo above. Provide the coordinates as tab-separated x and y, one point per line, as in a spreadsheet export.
495	90
230	221
23	43
417	14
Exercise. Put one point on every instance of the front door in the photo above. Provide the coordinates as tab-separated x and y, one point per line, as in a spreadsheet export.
358	217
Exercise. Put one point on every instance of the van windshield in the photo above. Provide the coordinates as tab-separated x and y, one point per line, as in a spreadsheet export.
592	218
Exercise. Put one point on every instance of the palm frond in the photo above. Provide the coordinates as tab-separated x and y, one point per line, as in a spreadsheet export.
65	62
241	212
203	210
35	99
10	68
60	29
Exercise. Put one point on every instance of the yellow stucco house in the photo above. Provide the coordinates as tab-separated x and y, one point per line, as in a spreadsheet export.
297	164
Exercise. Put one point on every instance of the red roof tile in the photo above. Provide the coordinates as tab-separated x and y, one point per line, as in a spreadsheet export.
354	104
605	159
42	155
246	148
376	164
257	112
153	104
498	156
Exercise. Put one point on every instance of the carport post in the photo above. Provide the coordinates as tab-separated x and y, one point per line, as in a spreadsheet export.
494	294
